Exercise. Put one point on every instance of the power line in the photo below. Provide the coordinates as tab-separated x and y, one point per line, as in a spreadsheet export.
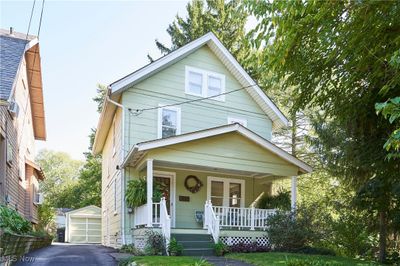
30	20
215	107
139	111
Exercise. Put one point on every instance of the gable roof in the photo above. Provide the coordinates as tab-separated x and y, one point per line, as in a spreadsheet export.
14	47
278	119
136	153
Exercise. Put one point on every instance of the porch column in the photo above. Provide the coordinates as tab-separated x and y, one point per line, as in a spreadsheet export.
294	193
149	180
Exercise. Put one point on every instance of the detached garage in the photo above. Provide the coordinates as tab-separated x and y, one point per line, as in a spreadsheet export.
83	225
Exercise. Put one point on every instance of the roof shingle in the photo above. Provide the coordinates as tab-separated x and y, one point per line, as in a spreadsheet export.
12	49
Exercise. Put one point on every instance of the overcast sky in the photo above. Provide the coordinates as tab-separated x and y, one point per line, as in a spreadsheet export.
83	43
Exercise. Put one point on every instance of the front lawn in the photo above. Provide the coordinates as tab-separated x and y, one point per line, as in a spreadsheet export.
167	261
276	258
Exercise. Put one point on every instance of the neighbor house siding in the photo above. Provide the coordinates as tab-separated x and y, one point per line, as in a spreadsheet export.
111	184
19	133
168	87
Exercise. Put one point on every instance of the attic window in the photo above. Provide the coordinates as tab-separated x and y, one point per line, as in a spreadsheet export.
203	83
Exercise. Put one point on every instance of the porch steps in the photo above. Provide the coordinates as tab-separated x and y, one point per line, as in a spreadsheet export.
195	244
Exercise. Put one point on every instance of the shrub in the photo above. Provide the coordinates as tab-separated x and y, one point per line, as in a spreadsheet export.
220	249
12	222
316	251
174	248
279	201
248	248
130	248
155	244
291	231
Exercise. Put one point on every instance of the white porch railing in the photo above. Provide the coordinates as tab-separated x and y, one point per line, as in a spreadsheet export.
250	218
211	221
165	222
140	217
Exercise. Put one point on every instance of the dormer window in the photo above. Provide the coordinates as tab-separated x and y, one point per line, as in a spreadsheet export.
203	83
169	121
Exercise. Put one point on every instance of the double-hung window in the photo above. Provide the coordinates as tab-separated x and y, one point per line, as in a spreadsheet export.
203	83
169	121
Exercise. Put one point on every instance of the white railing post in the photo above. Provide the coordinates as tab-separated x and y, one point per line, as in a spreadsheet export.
252	218
165	223
293	197
149	192
205	222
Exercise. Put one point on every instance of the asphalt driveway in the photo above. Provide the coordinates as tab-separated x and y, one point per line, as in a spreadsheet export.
69	254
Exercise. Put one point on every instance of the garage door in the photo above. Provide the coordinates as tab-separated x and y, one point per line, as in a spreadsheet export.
85	230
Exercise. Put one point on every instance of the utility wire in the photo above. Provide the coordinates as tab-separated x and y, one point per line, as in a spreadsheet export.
215	107
34	59
139	111
30	20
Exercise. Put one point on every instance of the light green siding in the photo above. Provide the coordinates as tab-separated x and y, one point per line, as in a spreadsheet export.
184	211
227	151
168	86
230	151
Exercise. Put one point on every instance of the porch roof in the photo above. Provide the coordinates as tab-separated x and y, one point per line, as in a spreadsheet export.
221	146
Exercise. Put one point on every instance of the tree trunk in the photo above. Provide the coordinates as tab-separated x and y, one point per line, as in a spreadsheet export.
382	236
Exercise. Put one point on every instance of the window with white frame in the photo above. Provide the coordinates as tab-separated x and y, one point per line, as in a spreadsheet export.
169	121
241	121
203	83
227	192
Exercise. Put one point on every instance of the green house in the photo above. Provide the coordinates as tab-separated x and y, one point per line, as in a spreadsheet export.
195	123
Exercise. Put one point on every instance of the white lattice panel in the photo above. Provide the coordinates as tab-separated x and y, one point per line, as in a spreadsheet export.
233	240
140	243
262	241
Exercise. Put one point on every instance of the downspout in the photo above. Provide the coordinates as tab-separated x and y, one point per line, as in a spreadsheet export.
122	170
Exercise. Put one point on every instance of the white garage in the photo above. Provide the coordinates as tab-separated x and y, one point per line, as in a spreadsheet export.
83	225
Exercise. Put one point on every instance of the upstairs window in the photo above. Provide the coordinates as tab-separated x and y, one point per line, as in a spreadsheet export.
195	81
169	121
203	83
214	86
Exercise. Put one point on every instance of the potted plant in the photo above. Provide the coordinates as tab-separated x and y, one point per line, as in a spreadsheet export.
174	248
136	192
220	249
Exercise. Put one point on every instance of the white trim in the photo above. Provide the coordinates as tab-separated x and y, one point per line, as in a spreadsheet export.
293	194
149	179
277	117
159	121
172	177
226	182
241	121
218	131
205	74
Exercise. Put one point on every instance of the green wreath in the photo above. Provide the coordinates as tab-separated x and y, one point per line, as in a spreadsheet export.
195	188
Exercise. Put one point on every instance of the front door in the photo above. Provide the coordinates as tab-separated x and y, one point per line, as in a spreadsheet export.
165	182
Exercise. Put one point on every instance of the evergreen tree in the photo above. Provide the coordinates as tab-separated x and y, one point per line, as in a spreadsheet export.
336	55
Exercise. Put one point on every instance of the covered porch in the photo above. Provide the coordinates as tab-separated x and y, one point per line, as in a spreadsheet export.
232	167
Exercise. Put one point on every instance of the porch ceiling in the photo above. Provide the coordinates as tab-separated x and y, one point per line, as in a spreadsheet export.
229	148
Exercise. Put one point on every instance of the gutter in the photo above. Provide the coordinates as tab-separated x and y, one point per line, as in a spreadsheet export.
121	169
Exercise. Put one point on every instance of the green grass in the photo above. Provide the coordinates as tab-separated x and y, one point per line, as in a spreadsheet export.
167	261
279	259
